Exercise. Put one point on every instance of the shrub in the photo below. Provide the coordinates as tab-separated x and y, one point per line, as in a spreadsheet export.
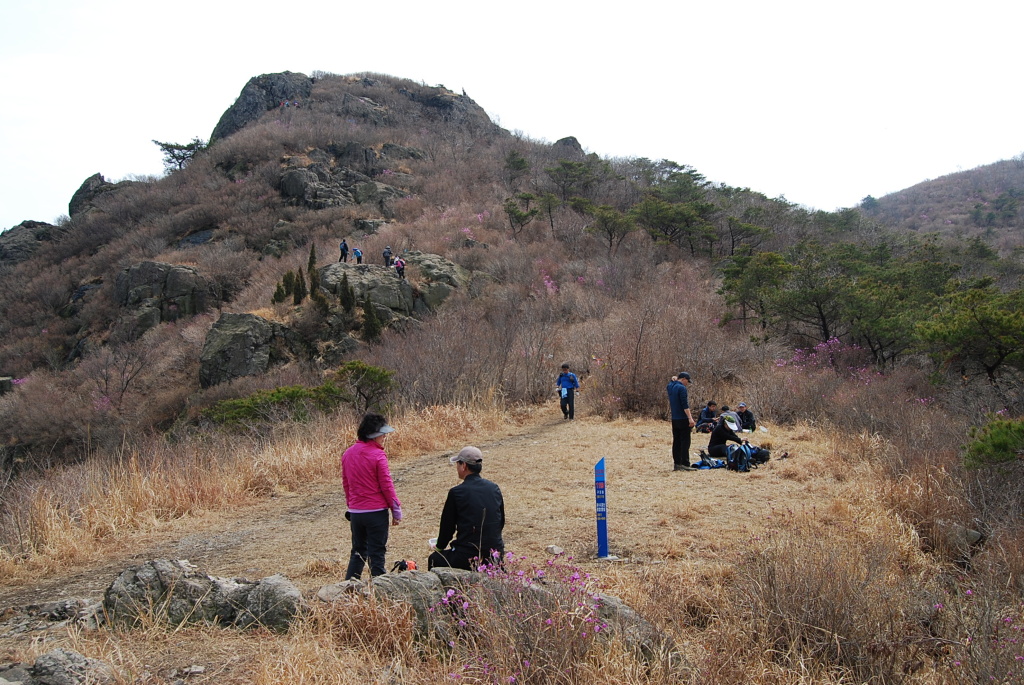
295	402
1000	441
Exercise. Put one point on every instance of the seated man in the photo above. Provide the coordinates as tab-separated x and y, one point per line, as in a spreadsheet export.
747	421
474	514
706	420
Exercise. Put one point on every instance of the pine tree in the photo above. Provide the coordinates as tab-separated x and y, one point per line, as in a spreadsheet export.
279	294
311	264
288	281
346	294
300	292
372	326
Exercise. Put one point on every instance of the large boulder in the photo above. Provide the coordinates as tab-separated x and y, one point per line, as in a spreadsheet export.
260	94
158	292
20	242
244	345
378	283
176	593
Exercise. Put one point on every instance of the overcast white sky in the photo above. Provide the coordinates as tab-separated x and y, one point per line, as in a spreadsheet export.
822	102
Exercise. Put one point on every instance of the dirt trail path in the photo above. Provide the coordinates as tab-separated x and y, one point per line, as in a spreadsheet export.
545	470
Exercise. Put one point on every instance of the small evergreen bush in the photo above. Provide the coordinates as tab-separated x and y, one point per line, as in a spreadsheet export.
1000	441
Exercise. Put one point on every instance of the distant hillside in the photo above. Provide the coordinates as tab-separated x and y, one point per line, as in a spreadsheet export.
158	298
987	201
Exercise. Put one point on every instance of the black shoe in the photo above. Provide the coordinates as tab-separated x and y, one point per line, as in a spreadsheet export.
683	467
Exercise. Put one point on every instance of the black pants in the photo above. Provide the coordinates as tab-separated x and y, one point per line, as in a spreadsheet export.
681	442
719	451
468	560
568	404
369	543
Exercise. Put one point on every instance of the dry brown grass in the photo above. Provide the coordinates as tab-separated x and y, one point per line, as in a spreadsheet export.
798	572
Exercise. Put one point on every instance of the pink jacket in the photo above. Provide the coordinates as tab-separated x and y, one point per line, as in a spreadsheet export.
367	479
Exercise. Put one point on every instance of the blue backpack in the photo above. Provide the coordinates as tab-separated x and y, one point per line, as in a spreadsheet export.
744	457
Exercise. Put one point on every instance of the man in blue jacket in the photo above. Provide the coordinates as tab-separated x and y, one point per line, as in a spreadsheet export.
682	421
567	384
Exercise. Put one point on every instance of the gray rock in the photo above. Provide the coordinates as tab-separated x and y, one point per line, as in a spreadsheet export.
378	283
163	292
273	603
355	156
174	592
426	591
437	269
369	225
261	94
244	345
393	151
20	242
569	148
379	195
93	187
67	667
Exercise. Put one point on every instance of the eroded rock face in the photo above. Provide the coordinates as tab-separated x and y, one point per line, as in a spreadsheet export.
21	242
91	188
260	94
378	283
157	292
243	345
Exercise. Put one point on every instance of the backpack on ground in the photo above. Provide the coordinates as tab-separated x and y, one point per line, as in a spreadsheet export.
738	458
759	456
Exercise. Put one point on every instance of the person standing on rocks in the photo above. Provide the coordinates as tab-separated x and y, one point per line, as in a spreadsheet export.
387	256
474	515
344	251
358	254
369	495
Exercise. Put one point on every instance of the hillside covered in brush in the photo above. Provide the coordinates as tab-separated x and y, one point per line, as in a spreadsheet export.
159	298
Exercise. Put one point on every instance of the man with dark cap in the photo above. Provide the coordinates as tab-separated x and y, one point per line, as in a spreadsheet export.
747	420
682	421
474	514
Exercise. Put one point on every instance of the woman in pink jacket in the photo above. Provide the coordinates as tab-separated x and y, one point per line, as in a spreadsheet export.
369	494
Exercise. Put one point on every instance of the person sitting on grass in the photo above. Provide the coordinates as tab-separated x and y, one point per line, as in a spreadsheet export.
721	435
706	420
747	421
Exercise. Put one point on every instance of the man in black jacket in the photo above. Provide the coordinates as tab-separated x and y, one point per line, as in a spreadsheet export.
474	514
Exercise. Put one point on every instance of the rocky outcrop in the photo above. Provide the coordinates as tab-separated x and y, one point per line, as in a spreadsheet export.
92	188
569	148
458	109
21	242
176	593
338	176
428	594
157	292
244	345
378	283
260	94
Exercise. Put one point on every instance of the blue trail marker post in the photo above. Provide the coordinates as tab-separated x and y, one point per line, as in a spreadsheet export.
602	510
